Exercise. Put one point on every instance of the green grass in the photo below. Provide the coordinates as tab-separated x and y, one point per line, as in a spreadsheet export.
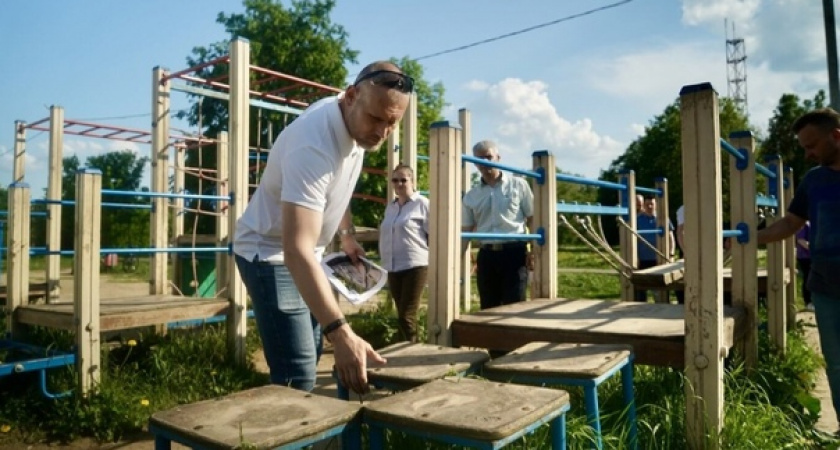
770	408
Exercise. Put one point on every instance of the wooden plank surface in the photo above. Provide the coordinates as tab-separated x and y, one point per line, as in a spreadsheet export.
264	417
468	407
411	365
655	331
124	313
552	360
670	276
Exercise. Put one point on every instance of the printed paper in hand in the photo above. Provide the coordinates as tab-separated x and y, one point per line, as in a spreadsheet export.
356	282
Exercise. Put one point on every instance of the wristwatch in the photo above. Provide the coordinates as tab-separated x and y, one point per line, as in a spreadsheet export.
351	230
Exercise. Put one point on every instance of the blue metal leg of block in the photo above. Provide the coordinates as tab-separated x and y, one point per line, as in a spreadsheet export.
162	443
377	437
630	402
351	436
593	415
558	432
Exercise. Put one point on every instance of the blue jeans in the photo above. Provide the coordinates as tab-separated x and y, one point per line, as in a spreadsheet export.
827	313
291	337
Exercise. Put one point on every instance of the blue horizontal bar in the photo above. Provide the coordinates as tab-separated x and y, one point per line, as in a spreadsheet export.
574	208
127	205
483	162
656	231
42	251
731	150
505	236
763	200
43	358
647	190
165	195
31	213
587	181
732	233
198	322
149	251
765	171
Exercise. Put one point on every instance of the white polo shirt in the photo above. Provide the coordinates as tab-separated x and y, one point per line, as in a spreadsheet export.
502	208
314	163
404	234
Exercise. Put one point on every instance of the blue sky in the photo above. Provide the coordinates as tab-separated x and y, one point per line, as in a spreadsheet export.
583	89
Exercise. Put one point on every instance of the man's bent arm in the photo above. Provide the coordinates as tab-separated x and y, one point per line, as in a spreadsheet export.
785	227
301	228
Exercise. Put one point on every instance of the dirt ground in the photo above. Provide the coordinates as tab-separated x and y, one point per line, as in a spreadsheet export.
325	383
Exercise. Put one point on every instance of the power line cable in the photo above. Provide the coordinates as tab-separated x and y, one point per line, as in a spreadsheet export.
525	30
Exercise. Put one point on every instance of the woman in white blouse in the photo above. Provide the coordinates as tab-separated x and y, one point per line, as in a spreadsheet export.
404	248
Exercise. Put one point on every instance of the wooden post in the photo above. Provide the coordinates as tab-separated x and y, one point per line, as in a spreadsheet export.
704	350
545	218
464	119
663	243
776	307
744	255
790	256
17	262
408	149
19	168
178	188
444	230
56	153
240	61
393	149
628	241
158	280
86	273
222	222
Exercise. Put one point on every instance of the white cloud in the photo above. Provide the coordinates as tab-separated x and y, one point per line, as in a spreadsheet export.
654	77
786	34
520	117
696	12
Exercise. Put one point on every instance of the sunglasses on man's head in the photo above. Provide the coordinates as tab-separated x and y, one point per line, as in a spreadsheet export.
389	79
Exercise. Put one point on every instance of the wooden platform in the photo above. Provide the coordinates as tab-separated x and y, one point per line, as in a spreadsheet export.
670	277
655	331
37	291
125	313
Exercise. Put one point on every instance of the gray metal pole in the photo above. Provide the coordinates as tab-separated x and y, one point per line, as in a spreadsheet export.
831	54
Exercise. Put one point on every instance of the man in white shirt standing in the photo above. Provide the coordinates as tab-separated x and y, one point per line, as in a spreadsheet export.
302	200
504	204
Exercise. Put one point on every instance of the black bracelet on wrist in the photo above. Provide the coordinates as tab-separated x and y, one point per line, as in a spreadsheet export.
334	325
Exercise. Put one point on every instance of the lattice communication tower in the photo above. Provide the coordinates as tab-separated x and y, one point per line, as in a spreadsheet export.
736	71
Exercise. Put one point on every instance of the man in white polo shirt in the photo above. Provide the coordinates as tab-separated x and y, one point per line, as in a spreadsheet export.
504	204
302	200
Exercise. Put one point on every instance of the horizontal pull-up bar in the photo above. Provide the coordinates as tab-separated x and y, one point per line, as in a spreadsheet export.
738	154
574	208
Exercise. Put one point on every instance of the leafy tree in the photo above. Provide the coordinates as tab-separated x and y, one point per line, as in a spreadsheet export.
300	40
121	226
780	138
658	153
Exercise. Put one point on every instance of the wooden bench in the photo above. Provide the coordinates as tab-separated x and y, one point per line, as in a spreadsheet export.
267	417
469	412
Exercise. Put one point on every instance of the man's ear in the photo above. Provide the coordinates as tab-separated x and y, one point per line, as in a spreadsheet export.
351	94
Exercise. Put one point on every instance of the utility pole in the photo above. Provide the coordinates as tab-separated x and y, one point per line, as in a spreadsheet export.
831	54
